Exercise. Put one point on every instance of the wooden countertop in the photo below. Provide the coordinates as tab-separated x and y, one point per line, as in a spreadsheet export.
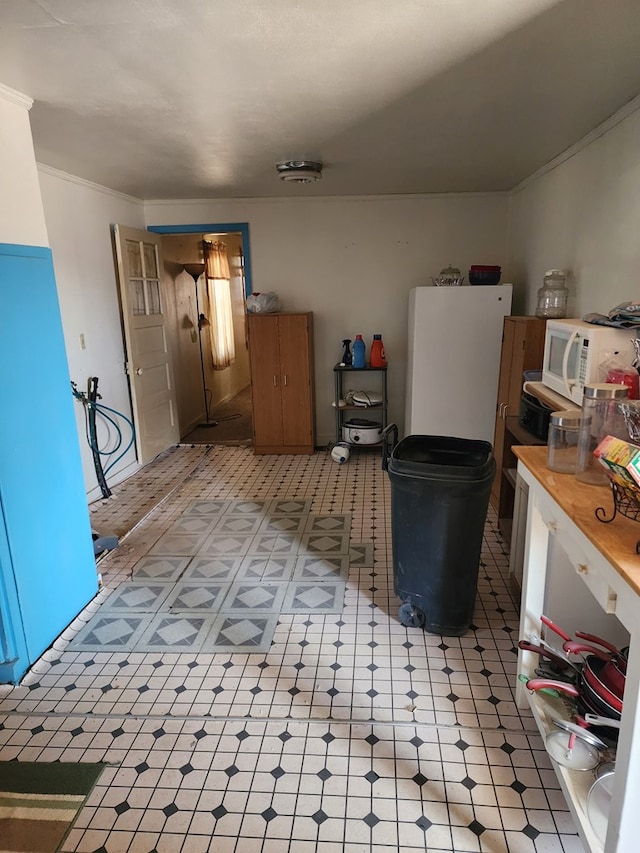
615	541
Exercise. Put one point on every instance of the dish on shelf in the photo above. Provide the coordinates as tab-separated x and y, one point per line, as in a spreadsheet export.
363	399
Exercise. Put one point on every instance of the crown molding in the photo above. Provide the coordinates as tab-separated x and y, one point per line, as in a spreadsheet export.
74	179
326	199
591	137
12	96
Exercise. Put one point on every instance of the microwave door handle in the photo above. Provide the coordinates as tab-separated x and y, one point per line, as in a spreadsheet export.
565	362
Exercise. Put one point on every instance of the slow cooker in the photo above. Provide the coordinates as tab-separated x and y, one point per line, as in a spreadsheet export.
361	431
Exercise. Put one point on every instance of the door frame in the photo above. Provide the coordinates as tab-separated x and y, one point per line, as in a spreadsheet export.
241	228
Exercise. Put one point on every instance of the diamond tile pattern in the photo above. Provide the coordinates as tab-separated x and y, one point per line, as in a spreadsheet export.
321	724
250	558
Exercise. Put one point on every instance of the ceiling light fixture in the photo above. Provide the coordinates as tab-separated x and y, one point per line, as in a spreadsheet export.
300	171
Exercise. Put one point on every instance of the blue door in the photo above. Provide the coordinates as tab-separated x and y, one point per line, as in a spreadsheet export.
47	565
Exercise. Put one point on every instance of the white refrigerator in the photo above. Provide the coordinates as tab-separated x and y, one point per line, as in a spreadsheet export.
454	343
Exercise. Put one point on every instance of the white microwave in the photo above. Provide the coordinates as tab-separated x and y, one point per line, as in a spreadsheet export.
576	354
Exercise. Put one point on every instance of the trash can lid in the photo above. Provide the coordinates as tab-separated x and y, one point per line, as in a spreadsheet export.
443	457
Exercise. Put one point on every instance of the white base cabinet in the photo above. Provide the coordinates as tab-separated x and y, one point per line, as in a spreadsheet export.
569	556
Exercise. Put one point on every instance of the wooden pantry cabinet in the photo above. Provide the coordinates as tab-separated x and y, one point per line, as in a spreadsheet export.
282	386
522	349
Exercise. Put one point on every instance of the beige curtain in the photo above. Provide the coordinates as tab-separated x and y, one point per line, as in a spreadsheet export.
223	348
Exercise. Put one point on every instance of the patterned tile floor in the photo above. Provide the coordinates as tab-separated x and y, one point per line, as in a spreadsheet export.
218	579
348	733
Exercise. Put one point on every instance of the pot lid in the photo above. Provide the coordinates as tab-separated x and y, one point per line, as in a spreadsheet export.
583	734
576	756
361	423
450	271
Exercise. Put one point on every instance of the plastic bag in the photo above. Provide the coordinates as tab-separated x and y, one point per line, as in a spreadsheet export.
615	371
263	303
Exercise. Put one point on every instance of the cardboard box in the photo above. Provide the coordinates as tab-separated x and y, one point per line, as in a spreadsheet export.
622	461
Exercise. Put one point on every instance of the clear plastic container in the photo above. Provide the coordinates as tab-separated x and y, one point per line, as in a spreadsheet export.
562	446
553	295
601	415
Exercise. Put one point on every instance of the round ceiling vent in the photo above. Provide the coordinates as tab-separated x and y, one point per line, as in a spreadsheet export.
300	171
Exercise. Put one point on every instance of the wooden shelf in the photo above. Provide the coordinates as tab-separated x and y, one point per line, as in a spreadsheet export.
523	436
510	475
575	784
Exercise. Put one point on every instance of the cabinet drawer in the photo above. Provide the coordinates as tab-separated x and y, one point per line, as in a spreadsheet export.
581	559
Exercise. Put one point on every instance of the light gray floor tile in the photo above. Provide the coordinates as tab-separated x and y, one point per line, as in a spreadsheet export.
160	568
247	596
212	568
241	633
273	544
289	506
324	543
328	524
314	597
226	545
267	568
170	632
321	567
203	595
178	544
206	508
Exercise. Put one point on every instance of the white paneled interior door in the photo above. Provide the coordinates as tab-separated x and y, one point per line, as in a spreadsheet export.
147	352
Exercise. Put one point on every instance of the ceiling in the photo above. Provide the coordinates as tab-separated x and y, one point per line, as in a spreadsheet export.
163	99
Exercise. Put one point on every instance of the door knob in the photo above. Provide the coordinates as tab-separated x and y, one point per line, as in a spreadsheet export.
140	371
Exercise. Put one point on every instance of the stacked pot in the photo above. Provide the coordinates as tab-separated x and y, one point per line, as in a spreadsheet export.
597	681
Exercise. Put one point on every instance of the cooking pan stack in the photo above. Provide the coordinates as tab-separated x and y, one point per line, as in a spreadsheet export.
596	681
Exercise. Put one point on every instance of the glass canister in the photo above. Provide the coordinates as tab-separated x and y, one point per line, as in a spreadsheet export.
601	415
562	446
552	296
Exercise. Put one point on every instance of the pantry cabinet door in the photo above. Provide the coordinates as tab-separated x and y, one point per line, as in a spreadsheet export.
266	387
295	341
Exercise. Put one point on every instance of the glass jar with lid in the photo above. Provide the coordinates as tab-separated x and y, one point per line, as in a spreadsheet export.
552	296
562	446
601	416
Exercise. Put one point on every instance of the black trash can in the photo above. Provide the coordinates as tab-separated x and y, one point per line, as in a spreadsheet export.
439	499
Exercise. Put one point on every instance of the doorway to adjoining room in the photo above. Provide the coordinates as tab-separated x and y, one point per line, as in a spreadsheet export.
206	310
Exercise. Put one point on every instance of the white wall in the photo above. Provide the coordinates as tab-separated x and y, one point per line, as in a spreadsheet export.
352	261
79	216
583	216
21	215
